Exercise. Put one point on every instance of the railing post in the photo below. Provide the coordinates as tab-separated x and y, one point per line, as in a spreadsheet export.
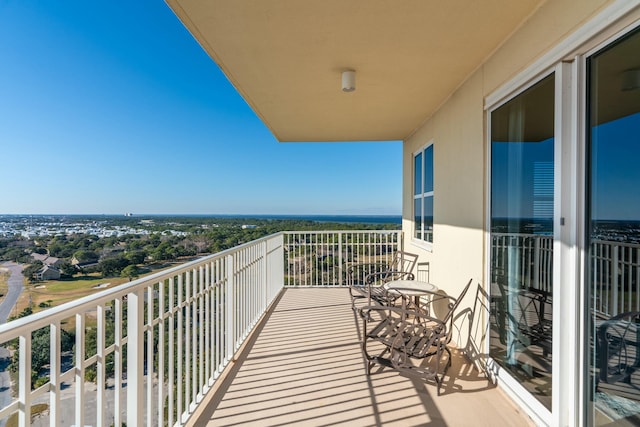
135	355
340	260
117	362
54	373
231	317
79	371
265	275
24	373
536	264
614	279
100	368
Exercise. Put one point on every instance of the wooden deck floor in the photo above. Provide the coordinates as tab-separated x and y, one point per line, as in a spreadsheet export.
305	367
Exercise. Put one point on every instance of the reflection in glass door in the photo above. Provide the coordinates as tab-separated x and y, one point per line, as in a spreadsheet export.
522	197
613	270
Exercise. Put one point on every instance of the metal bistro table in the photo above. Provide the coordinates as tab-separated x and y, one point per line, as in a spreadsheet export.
413	288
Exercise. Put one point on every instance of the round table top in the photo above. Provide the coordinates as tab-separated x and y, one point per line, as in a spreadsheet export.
410	287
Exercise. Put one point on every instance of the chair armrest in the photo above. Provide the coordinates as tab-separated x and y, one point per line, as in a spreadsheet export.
387	276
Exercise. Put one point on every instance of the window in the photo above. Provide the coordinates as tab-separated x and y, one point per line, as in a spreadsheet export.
423	193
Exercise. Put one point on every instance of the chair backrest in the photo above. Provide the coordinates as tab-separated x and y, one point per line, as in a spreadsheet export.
403	262
454	306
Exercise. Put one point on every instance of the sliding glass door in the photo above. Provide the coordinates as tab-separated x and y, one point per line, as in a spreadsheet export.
522	234
613	228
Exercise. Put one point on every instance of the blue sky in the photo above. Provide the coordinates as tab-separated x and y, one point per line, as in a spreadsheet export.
112	107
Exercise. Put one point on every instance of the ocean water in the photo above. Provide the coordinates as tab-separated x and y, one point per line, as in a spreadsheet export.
363	219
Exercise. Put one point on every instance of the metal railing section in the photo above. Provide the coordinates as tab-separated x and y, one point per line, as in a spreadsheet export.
320	258
615	272
144	353
534	259
615	269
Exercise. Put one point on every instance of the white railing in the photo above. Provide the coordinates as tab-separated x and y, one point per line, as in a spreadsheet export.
319	258
533	259
145	353
152	348
615	272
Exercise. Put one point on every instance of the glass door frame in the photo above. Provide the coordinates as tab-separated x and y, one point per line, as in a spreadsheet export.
534	408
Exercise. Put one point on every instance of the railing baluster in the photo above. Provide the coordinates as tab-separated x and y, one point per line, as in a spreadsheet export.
135	358
54	374
161	352
79	369
24	378
614	279
179	353
100	368
117	363
149	359
172	360
201	329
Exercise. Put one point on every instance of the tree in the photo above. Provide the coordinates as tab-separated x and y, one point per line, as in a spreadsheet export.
30	271
68	269
136	257
112	266
85	255
130	271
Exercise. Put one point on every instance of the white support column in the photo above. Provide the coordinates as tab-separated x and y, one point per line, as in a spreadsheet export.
135	358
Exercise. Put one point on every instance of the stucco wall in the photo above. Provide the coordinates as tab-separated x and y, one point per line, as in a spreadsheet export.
458	130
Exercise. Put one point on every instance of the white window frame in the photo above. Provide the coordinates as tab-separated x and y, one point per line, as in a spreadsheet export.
421	241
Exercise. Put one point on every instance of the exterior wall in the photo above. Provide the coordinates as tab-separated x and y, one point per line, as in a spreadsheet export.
458	131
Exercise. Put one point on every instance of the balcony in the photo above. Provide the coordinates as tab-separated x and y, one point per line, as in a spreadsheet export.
261	333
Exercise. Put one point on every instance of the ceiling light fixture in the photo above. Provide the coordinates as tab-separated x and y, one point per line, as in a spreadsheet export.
348	81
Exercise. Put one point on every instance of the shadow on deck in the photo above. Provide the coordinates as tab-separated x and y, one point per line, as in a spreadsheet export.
304	366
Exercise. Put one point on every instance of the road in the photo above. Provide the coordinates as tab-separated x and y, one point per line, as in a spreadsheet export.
15	289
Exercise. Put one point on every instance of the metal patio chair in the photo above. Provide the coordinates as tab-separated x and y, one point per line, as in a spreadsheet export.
412	338
365	280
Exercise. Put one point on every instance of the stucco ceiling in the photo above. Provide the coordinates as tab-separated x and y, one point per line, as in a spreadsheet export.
285	57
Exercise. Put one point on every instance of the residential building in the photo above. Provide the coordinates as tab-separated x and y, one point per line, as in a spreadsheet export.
46	259
48	272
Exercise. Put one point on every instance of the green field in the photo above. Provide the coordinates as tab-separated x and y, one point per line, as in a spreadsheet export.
51	293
